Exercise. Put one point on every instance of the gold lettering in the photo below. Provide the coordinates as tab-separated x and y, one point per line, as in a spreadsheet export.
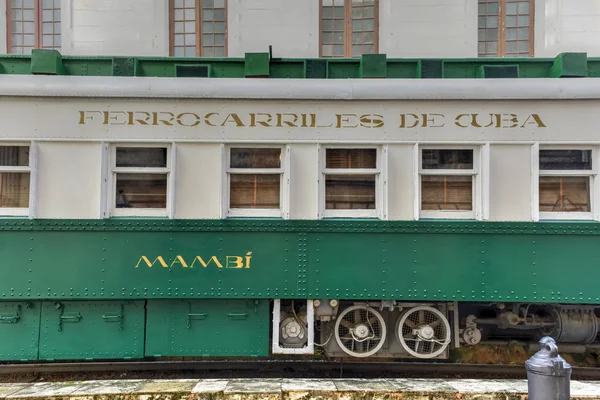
345	119
181	121
497	122
83	117
248	257
371	120
207	118
510	118
112	117
403	123
238	261
150	264
536	120
254	120
305	118
431	119
233	117
205	264
132	118
179	260
457	121
168	122
291	123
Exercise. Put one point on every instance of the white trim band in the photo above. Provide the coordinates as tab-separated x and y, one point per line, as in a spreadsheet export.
299	89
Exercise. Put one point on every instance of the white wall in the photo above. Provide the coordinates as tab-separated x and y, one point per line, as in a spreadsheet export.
198	185
567	26
291	26
428	28
401	182
304	184
510	182
111	27
68	180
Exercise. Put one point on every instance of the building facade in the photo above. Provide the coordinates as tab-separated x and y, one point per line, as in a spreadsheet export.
302	28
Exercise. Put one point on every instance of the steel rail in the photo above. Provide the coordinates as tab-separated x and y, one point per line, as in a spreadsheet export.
299	369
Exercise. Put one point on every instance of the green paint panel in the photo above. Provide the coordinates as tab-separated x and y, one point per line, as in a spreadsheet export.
315	69
343	69
498	71
373	66
257	65
207	328
123	66
46	62
424	260
19	330
569	65
92	330
262	65
431	69
100	264
192	70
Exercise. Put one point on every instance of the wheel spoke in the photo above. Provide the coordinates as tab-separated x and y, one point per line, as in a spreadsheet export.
347	324
435	324
410	323
421	316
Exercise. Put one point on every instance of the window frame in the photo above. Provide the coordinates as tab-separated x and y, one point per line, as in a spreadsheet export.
31	169
477	196
591	174
113	170
198	32
348	29
502	30
284	181
38	29
378	212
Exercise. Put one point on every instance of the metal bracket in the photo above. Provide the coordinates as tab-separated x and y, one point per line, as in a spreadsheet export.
11	318
194	316
115	318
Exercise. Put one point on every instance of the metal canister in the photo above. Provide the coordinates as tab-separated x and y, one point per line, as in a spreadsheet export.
548	374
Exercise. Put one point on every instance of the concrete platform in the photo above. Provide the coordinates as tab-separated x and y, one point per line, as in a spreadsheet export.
285	389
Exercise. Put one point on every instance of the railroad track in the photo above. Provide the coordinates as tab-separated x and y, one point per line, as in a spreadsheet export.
276	368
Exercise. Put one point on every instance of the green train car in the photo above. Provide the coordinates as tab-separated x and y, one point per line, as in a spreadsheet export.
258	206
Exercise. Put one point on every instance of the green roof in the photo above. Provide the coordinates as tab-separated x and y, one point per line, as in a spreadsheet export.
51	62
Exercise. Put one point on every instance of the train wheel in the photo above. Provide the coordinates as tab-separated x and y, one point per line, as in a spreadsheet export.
424	332
360	331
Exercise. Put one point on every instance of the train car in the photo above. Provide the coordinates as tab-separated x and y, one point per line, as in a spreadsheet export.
153	212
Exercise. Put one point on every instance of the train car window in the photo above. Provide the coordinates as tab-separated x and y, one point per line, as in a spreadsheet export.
254	176
15	177
565	183
140	176
350	179
447	182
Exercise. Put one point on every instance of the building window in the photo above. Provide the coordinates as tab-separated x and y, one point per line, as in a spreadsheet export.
198	28
448	182
255	176
15	176
350	182
565	183
140	180
349	28
33	24
505	28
